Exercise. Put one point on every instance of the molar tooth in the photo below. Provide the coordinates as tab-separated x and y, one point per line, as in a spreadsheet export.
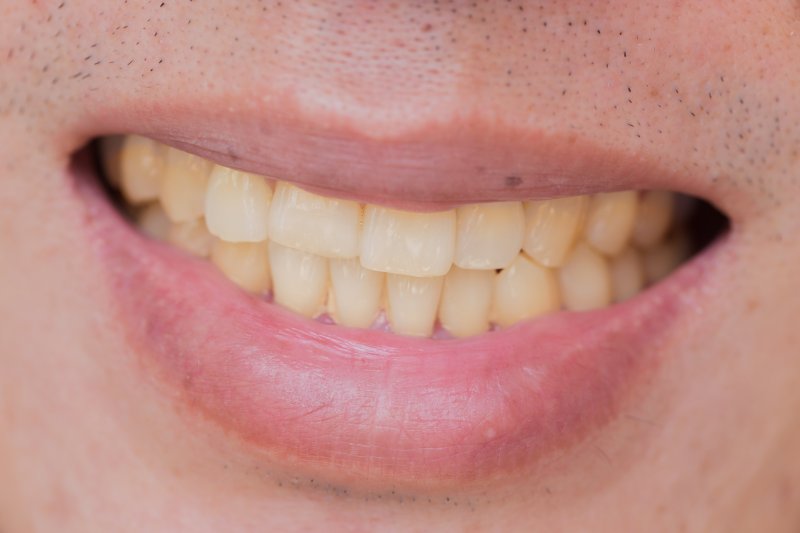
552	228
627	275
653	218
192	237
324	226
609	222
524	290
466	301
237	205
402	242
412	303
244	263
153	221
141	166
489	236
183	189
356	293
665	257
299	279
585	280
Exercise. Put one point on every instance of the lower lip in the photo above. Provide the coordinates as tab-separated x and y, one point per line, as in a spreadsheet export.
375	405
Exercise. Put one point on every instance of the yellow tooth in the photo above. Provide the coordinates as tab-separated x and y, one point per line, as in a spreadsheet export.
153	221
413	302
244	263
663	258
585	280
489	236
627	275
609	222
402	242
141	169
192	237
324	226
524	290
110	155
356	293
653	218
466	301
299	279
237	205
552	226
183	189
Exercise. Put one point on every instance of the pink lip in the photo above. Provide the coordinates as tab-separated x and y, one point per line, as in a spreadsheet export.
372	404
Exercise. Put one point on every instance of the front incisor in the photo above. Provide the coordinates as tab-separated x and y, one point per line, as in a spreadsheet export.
413	302
356	293
299	279
237	205
466	301
489	236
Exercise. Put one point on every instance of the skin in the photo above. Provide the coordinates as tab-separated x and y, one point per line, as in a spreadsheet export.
708	90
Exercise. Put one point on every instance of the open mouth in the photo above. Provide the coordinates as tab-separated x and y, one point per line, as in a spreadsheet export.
417	345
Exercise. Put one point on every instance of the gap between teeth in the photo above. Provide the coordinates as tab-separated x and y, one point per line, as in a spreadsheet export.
467	270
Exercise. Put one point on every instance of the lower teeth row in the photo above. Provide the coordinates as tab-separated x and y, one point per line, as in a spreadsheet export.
620	243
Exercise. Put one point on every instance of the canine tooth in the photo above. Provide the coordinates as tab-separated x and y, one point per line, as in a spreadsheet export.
524	290
627	274
609	222
153	221
314	223
237	205
412	303
110	155
299	279
665	257
489	236
244	263
653	218
552	227
585	280
192	237
466	301
402	242
356	293
183	189
141	169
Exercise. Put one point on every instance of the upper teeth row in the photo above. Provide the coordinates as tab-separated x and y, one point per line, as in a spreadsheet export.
240	207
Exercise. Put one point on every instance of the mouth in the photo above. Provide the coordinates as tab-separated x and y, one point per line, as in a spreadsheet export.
384	335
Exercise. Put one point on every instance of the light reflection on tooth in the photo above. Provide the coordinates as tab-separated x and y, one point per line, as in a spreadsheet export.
237	205
192	237
489	236
413	302
609	222
585	280
524	290
466	301
653	218
627	274
153	221
299	279
244	263
402	242
141	169
183	188
663	258
552	226
355	293
317	224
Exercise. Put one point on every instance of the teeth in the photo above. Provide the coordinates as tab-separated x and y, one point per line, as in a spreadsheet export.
356	293
664	258
141	166
300	279
412	303
653	218
237	205
627	275
192	237
154	222
183	189
313	223
524	290
610	220
552	227
585	280
402	242
244	263
110	155
489	236
466	301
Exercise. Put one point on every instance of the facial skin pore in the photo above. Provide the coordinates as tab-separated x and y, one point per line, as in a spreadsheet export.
706	91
